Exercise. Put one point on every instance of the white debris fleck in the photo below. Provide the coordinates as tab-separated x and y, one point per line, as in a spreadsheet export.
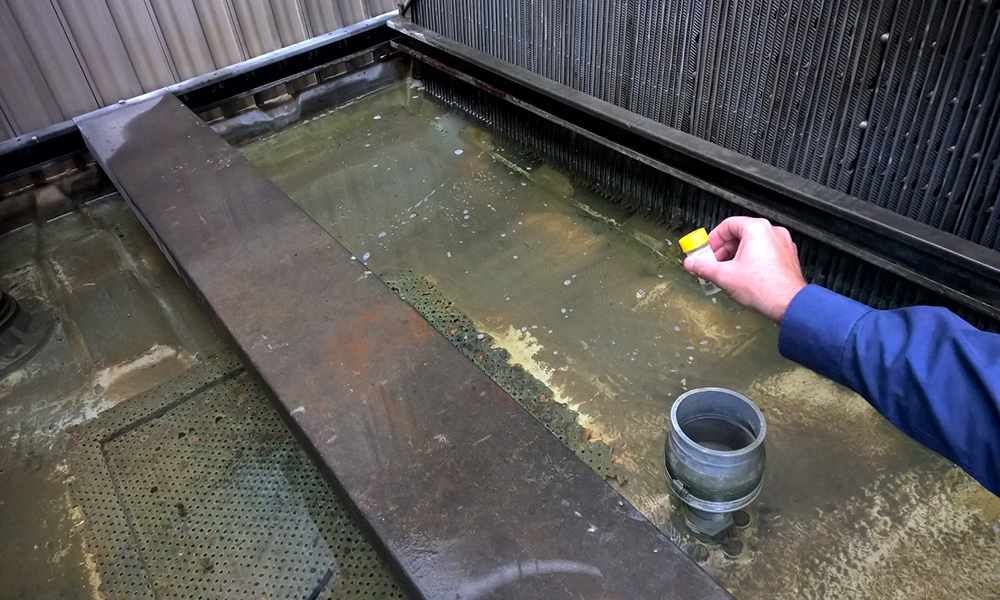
413	215
676	328
591	529
377	117
459	151
562	310
515	257
739	327
703	342
715	301
366	256
480	336
567	282
381	234
300	409
441	438
523	183
523	329
449	255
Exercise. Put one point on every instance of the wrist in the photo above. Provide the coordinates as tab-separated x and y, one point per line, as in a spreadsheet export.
785	297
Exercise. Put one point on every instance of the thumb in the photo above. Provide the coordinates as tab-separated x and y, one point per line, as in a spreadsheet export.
706	269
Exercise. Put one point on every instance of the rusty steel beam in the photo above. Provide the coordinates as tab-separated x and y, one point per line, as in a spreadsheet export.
465	492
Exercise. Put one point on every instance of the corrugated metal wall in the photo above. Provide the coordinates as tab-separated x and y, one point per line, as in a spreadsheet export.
894	102
61	58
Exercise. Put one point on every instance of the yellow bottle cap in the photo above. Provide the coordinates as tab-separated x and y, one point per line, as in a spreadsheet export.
695	239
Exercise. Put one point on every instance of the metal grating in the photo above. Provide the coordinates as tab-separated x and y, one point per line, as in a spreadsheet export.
896	103
642	188
199	490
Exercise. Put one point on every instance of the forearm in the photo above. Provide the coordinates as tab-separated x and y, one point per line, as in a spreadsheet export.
932	375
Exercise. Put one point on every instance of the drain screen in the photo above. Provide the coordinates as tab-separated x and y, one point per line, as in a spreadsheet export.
199	490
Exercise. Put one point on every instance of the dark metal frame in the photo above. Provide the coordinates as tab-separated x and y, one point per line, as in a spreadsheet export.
944	263
28	153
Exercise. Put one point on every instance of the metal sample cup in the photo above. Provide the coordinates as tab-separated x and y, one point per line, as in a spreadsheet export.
714	456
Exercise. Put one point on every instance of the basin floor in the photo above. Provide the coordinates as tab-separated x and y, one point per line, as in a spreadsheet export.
137	457
591	300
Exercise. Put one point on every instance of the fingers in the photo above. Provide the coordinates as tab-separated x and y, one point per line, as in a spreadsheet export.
727	250
785	234
733	228
725	239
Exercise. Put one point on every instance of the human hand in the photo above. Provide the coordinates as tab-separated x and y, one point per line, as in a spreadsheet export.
758	265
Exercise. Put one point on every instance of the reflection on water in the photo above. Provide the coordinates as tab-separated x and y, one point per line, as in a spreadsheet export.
592	301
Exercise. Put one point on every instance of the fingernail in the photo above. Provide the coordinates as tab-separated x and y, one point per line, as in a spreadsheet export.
688	264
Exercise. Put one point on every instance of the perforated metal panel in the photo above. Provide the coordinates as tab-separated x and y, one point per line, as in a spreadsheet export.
199	490
897	103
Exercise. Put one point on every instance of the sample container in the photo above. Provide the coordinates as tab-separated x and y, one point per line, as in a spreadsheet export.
695	245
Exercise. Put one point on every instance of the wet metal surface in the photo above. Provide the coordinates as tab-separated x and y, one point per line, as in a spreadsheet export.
198	489
468	493
100	497
592	300
125	323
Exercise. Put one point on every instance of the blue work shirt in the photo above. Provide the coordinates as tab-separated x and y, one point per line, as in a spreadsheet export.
933	375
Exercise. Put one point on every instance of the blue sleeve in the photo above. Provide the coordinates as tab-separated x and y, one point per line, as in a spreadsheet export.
930	373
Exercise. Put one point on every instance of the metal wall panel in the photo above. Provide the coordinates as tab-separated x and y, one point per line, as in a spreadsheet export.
25	97
55	56
218	22
143	42
100	49
292	21
62	58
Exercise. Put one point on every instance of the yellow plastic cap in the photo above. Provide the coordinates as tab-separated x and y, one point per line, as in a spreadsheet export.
695	239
